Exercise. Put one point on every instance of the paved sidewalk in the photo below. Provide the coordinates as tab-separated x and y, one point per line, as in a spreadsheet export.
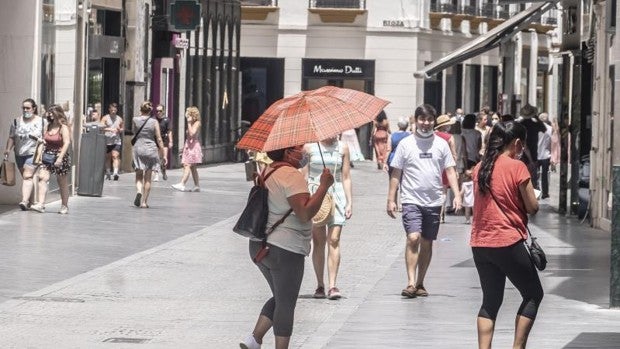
200	290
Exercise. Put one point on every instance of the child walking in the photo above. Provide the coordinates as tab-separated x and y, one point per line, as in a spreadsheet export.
467	193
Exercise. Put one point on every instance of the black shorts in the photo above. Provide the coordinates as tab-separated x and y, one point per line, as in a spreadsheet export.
111	147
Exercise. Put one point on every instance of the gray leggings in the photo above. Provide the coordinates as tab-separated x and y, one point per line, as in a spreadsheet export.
284	271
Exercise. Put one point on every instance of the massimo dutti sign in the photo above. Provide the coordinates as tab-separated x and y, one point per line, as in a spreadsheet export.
338	68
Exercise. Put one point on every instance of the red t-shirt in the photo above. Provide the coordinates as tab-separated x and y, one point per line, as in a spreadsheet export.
501	223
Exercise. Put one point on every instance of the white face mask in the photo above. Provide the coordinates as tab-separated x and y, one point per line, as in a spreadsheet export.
27	115
494	121
424	134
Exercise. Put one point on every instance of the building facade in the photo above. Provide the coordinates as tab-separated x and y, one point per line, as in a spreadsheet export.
290	45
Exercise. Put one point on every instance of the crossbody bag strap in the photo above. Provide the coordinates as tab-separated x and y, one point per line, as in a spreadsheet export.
263	178
141	127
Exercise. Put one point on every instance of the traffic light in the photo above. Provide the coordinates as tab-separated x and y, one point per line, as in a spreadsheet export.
184	15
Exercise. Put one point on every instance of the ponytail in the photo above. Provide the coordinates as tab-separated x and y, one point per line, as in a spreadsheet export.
502	134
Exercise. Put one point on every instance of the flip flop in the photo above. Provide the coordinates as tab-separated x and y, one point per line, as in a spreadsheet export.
137	200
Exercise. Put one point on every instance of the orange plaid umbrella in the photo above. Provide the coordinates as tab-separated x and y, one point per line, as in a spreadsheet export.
310	116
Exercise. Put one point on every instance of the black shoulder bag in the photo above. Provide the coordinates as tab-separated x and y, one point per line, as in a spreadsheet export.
253	220
537	255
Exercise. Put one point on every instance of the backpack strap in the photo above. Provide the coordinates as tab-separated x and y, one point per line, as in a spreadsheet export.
262	178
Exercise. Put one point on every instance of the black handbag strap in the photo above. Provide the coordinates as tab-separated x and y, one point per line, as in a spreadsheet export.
141	127
504	212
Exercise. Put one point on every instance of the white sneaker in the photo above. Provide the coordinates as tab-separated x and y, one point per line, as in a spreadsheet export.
156	177
38	207
179	187
63	210
249	343
196	189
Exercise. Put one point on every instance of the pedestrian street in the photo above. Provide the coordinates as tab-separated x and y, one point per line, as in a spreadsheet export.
176	276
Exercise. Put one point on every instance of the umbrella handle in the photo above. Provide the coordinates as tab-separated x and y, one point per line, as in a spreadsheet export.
321	152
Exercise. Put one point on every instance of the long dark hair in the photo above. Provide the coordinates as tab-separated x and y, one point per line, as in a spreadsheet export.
501	135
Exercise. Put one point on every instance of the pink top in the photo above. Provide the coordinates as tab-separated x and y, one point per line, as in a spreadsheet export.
53	141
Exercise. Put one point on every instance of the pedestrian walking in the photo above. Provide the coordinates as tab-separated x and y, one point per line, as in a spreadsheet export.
443	124
467	194
483	128
334	155
166	137
57	139
417	166
532	126
24	134
147	152
379	138
349	137
113	126
289	243
504	195
544	154
473	140
192	151
395	139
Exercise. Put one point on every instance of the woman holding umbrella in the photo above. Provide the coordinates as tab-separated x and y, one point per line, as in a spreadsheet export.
289	243
280	131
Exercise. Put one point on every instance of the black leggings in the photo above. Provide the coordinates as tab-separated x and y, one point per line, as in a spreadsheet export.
494	265
284	271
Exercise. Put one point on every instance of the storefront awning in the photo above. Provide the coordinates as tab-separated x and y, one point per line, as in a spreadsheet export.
485	42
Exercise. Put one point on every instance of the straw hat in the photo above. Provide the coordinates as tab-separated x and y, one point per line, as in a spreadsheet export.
444	120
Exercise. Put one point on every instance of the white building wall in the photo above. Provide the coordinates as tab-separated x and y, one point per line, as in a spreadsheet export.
17	81
64	71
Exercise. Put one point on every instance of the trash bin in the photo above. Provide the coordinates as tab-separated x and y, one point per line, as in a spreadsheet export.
92	161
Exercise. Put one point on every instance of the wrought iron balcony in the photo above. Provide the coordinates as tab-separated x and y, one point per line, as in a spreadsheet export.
337	11
487	10
339	4
273	3
442	7
467	10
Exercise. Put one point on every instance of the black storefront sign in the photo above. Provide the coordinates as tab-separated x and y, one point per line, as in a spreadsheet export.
338	68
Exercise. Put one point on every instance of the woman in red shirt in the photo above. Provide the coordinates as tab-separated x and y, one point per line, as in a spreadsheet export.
504	195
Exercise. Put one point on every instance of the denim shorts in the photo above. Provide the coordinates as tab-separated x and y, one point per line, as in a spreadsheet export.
420	219
21	160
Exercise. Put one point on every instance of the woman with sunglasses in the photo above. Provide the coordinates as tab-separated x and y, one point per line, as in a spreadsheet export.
57	139
24	133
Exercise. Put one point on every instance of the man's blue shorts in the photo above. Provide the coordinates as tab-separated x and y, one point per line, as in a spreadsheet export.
420	219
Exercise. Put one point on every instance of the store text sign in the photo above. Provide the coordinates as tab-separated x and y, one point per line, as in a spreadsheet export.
337	68
347	70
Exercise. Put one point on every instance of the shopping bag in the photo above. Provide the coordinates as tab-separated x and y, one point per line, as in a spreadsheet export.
8	173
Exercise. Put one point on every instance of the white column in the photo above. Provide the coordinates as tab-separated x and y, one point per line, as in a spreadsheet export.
518	59
533	71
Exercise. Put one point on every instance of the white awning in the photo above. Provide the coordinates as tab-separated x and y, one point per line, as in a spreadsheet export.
487	41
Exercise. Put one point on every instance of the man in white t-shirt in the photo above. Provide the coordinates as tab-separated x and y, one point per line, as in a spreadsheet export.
417	165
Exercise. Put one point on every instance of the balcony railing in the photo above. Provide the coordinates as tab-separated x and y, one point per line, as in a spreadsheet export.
444	8
467	10
340	4
487	10
273	3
